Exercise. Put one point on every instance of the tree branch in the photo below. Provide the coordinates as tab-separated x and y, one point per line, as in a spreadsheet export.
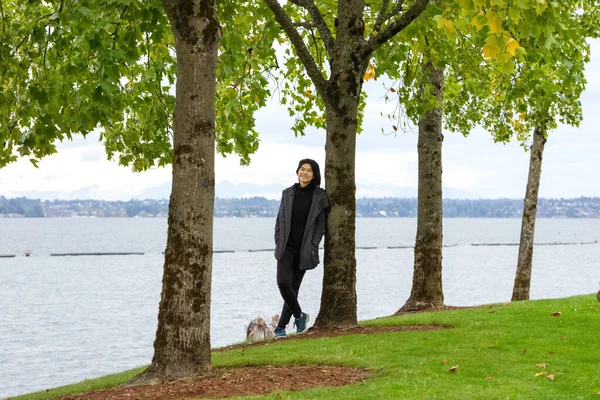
392	29
304	24
382	16
303	53
3	17
319	22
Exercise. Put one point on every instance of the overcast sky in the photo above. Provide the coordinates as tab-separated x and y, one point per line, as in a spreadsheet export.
474	165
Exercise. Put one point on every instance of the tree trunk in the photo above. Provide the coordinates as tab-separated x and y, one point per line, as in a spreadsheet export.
338	298
426	292
182	344
523	276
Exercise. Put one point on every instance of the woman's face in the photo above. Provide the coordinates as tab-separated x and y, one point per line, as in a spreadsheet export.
305	175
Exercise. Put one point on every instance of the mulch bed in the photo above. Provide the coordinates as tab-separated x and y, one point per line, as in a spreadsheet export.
248	381
229	382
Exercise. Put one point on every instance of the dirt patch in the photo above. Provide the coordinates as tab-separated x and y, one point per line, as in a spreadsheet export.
430	309
314	333
229	382
248	381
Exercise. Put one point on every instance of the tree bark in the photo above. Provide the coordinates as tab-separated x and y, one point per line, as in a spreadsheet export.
523	276
426	292
338	298
182	344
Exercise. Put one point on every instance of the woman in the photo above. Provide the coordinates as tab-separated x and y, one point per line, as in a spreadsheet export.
299	228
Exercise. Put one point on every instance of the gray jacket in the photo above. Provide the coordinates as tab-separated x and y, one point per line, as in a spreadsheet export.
313	232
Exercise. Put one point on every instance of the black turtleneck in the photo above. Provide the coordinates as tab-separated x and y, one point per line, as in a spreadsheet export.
302	202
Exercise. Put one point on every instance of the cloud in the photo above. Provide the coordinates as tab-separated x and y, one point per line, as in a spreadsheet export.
93	155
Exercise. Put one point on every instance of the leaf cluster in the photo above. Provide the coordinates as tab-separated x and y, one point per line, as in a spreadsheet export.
74	66
509	65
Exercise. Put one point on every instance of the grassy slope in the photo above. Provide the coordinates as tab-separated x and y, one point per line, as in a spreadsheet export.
495	347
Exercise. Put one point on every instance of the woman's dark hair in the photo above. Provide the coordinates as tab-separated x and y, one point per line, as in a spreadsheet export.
316	170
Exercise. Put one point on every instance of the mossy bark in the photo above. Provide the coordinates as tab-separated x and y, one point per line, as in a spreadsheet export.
182	344
522	282
426	292
338	298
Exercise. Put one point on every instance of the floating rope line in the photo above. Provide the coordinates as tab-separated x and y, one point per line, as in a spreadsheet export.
218	251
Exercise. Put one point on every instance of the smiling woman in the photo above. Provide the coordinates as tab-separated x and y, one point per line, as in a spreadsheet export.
299	228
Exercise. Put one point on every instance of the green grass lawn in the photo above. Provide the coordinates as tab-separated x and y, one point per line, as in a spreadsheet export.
495	347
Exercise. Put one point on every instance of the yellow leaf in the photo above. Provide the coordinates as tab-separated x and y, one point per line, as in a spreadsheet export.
308	93
453	369
449	26
512	46
494	22
542	373
370	74
490	50
550	376
542	365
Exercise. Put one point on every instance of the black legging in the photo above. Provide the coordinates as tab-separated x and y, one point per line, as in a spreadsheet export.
289	278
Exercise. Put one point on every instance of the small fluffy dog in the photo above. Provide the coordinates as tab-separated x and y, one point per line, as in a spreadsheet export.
258	329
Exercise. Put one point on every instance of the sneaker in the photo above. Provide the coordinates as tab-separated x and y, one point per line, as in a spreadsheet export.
279	332
302	323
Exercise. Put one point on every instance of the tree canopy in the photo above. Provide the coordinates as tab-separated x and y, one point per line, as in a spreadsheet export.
72	67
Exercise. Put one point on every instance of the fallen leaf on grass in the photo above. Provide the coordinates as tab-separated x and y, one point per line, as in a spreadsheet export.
556	314
543	365
546	374
491	347
489	377
563	338
491	312
524	351
453	369
445	361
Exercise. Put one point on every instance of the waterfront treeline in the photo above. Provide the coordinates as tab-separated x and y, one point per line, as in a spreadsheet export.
582	207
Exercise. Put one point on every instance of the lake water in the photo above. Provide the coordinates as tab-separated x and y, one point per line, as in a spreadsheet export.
65	319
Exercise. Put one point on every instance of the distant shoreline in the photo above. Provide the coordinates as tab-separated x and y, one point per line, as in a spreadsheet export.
260	207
